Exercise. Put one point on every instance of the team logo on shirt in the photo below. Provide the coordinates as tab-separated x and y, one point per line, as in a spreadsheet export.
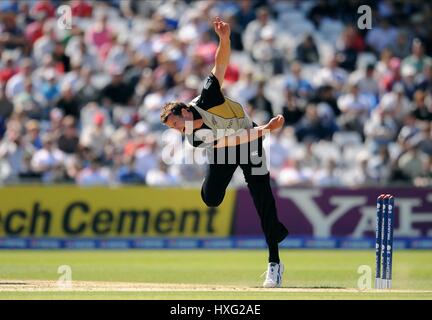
229	125
214	121
207	84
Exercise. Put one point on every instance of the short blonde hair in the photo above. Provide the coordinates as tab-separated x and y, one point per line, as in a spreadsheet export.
169	108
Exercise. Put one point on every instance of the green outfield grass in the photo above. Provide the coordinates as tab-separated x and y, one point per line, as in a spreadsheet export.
307	272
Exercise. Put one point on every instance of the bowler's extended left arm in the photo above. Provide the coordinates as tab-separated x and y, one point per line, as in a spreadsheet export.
223	51
248	135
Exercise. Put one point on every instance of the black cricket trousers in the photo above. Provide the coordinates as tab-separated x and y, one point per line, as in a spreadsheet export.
253	164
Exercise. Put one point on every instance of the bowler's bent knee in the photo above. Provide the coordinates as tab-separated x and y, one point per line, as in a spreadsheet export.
212	200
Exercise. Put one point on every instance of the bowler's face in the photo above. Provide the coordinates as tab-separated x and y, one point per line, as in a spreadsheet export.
176	122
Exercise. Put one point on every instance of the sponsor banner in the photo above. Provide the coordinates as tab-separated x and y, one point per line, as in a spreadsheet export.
325	213
246	243
70	211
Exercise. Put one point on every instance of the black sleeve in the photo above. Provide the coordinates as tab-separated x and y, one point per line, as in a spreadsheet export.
202	138
211	94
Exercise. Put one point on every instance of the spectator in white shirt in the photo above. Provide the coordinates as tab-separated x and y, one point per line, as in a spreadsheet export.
45	44
191	26
331	75
96	136
279	151
380	166
355	109
267	54
410	128
93	175
381	36
119	54
78	50
396	102
144	45
244	89
360	176
252	34
146	153
13	151
15	84
293	175
412	163
329	176
161	176
381	128
49	161
365	78
28	100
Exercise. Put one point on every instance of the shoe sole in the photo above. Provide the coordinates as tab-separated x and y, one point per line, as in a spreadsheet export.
276	285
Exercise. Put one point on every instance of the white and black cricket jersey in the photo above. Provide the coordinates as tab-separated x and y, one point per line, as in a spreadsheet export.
221	115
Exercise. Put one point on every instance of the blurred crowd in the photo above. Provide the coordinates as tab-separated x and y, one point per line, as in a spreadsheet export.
80	98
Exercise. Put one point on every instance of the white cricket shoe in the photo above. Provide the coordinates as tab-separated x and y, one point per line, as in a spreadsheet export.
273	275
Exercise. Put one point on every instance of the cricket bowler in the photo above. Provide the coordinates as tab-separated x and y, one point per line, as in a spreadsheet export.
221	125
